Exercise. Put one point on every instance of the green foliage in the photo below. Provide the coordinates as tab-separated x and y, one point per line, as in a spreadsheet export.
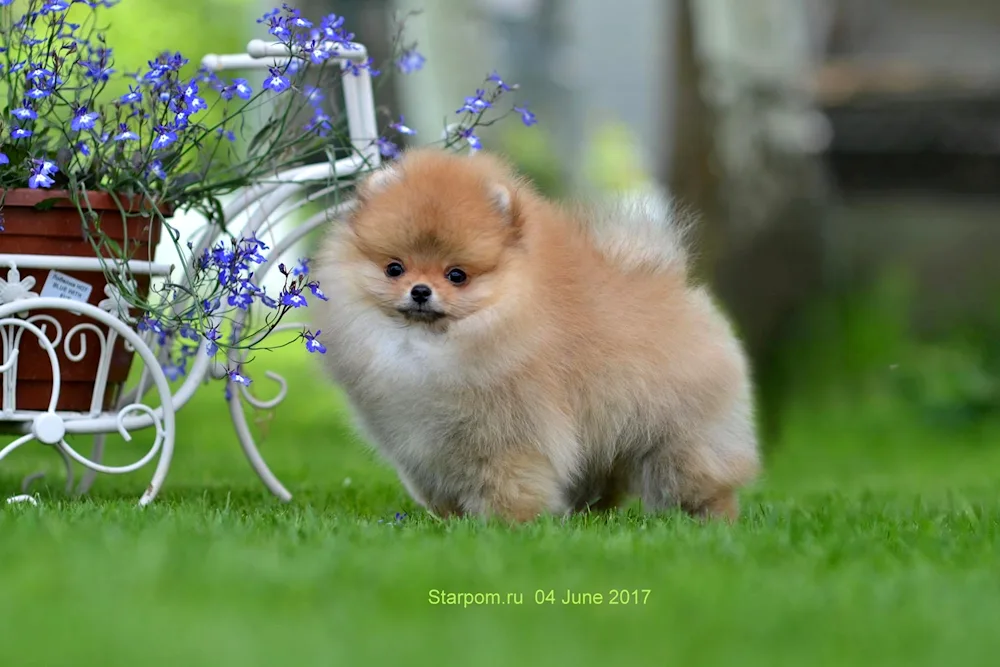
861	349
869	541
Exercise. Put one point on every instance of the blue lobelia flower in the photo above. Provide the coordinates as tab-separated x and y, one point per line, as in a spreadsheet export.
38	74
495	78
41	174
4	159
242	88
276	82
293	298
236	377
241	301
126	134
401	128
357	68
24	113
332	27
83	119
386	148
476	104
36	181
527	117
470	136
317	292
410	62
46	167
133	96
312	344
19	132
164	137
320	123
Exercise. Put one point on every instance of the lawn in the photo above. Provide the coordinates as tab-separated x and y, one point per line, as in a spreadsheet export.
868	542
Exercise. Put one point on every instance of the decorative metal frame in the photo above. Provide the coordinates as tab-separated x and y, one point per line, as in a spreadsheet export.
263	206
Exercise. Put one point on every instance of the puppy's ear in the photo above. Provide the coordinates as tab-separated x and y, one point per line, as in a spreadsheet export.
504	200
378	180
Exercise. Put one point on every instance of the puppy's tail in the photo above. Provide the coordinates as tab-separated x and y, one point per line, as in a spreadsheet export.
642	231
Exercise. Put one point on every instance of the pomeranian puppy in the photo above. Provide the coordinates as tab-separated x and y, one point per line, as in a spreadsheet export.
511	357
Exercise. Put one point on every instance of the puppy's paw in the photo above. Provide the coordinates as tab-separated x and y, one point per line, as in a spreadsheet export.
723	505
521	487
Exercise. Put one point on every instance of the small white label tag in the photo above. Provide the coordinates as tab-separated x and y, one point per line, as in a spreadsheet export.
66	287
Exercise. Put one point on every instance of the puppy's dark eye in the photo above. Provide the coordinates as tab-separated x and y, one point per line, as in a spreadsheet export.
394	269
456	276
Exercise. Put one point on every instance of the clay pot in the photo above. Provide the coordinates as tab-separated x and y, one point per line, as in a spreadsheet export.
59	230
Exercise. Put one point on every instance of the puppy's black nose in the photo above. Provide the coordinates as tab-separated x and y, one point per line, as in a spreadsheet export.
420	293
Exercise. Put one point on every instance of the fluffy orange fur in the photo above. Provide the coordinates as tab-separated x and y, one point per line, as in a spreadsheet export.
572	367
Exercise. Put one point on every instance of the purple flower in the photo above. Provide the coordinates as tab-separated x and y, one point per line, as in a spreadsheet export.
126	134
212	335
495	78
4	159
156	169
83	119
302	268
319	123
401	128
386	148
24	113
46	167
313	345
40	181
55	6
312	94
410	61
469	135
317	292
241	301
37	74
293	298
98	71
196	104
19	132
527	117
332	27
239	379
133	96
191	90
477	104
357	68
41	174
37	93
172	371
242	88
164	137
228	134
276	82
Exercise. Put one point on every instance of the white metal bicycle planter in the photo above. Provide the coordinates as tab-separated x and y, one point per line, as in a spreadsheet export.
263	206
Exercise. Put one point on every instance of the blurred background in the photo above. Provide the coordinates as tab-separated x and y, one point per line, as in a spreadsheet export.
843	157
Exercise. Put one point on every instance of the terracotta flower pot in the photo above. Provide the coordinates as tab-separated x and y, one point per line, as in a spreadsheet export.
59	230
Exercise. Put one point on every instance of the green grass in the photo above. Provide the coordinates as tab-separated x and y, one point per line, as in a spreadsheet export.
876	544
